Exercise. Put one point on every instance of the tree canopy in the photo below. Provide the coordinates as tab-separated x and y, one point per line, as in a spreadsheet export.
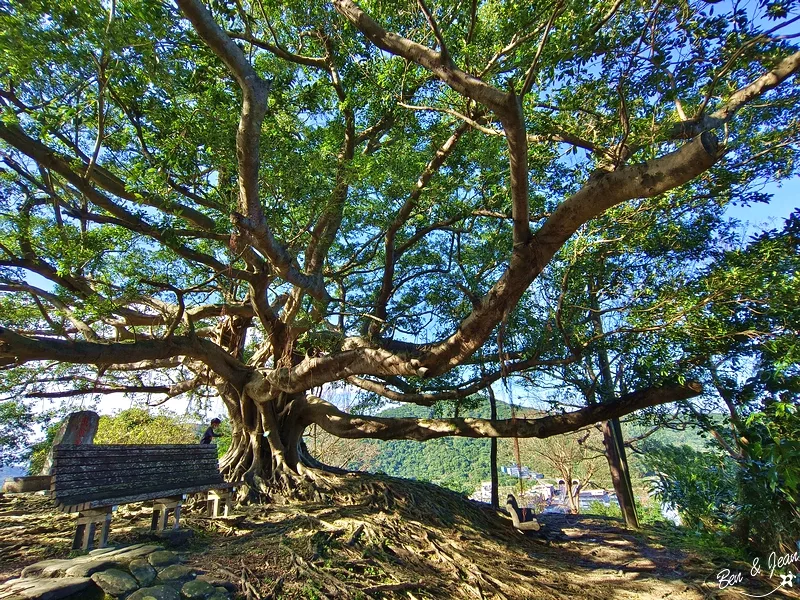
265	198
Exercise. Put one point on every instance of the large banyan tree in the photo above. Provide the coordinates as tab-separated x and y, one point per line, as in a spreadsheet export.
261	199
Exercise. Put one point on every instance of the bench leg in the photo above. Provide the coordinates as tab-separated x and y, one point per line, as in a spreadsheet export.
88	522
104	531
159	518
214	498
162	521
161	509
77	541
88	539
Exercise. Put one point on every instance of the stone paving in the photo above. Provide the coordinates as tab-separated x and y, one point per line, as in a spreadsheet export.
139	572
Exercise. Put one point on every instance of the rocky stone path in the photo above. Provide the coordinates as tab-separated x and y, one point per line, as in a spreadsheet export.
139	572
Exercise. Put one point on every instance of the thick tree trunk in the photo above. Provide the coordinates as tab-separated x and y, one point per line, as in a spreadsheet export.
573	495
266	449
618	466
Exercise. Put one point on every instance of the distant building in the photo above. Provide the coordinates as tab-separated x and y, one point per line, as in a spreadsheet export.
604	497
532	498
562	486
524	472
554	509
544	491
548	498
483	493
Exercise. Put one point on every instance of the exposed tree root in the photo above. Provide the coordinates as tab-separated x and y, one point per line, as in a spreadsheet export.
380	537
389	538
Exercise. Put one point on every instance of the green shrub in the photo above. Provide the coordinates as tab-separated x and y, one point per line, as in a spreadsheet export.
770	477
649	512
40	450
138	426
601	510
700	484
752	501
16	425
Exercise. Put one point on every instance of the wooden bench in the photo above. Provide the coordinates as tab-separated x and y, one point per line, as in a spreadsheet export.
523	519
93	480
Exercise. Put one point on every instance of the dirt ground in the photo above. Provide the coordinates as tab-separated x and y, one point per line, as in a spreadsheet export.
388	538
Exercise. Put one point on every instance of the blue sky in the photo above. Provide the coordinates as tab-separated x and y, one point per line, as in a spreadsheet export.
785	199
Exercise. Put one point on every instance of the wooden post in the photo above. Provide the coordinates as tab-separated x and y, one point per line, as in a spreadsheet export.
162	521
212	505
104	531
612	431
615	448
495	494
88	539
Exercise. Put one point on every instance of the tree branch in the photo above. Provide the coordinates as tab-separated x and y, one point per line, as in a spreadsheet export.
15	348
342	424
507	106
445	54
54	161
462	82
464	390
600	193
308	61
254	107
768	81
170	390
403	214
123	389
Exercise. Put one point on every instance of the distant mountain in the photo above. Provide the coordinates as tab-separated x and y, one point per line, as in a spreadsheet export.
686	437
14	471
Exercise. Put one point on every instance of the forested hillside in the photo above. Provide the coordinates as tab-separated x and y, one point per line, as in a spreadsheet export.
456	463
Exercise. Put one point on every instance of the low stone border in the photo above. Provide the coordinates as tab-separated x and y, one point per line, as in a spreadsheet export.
140	572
